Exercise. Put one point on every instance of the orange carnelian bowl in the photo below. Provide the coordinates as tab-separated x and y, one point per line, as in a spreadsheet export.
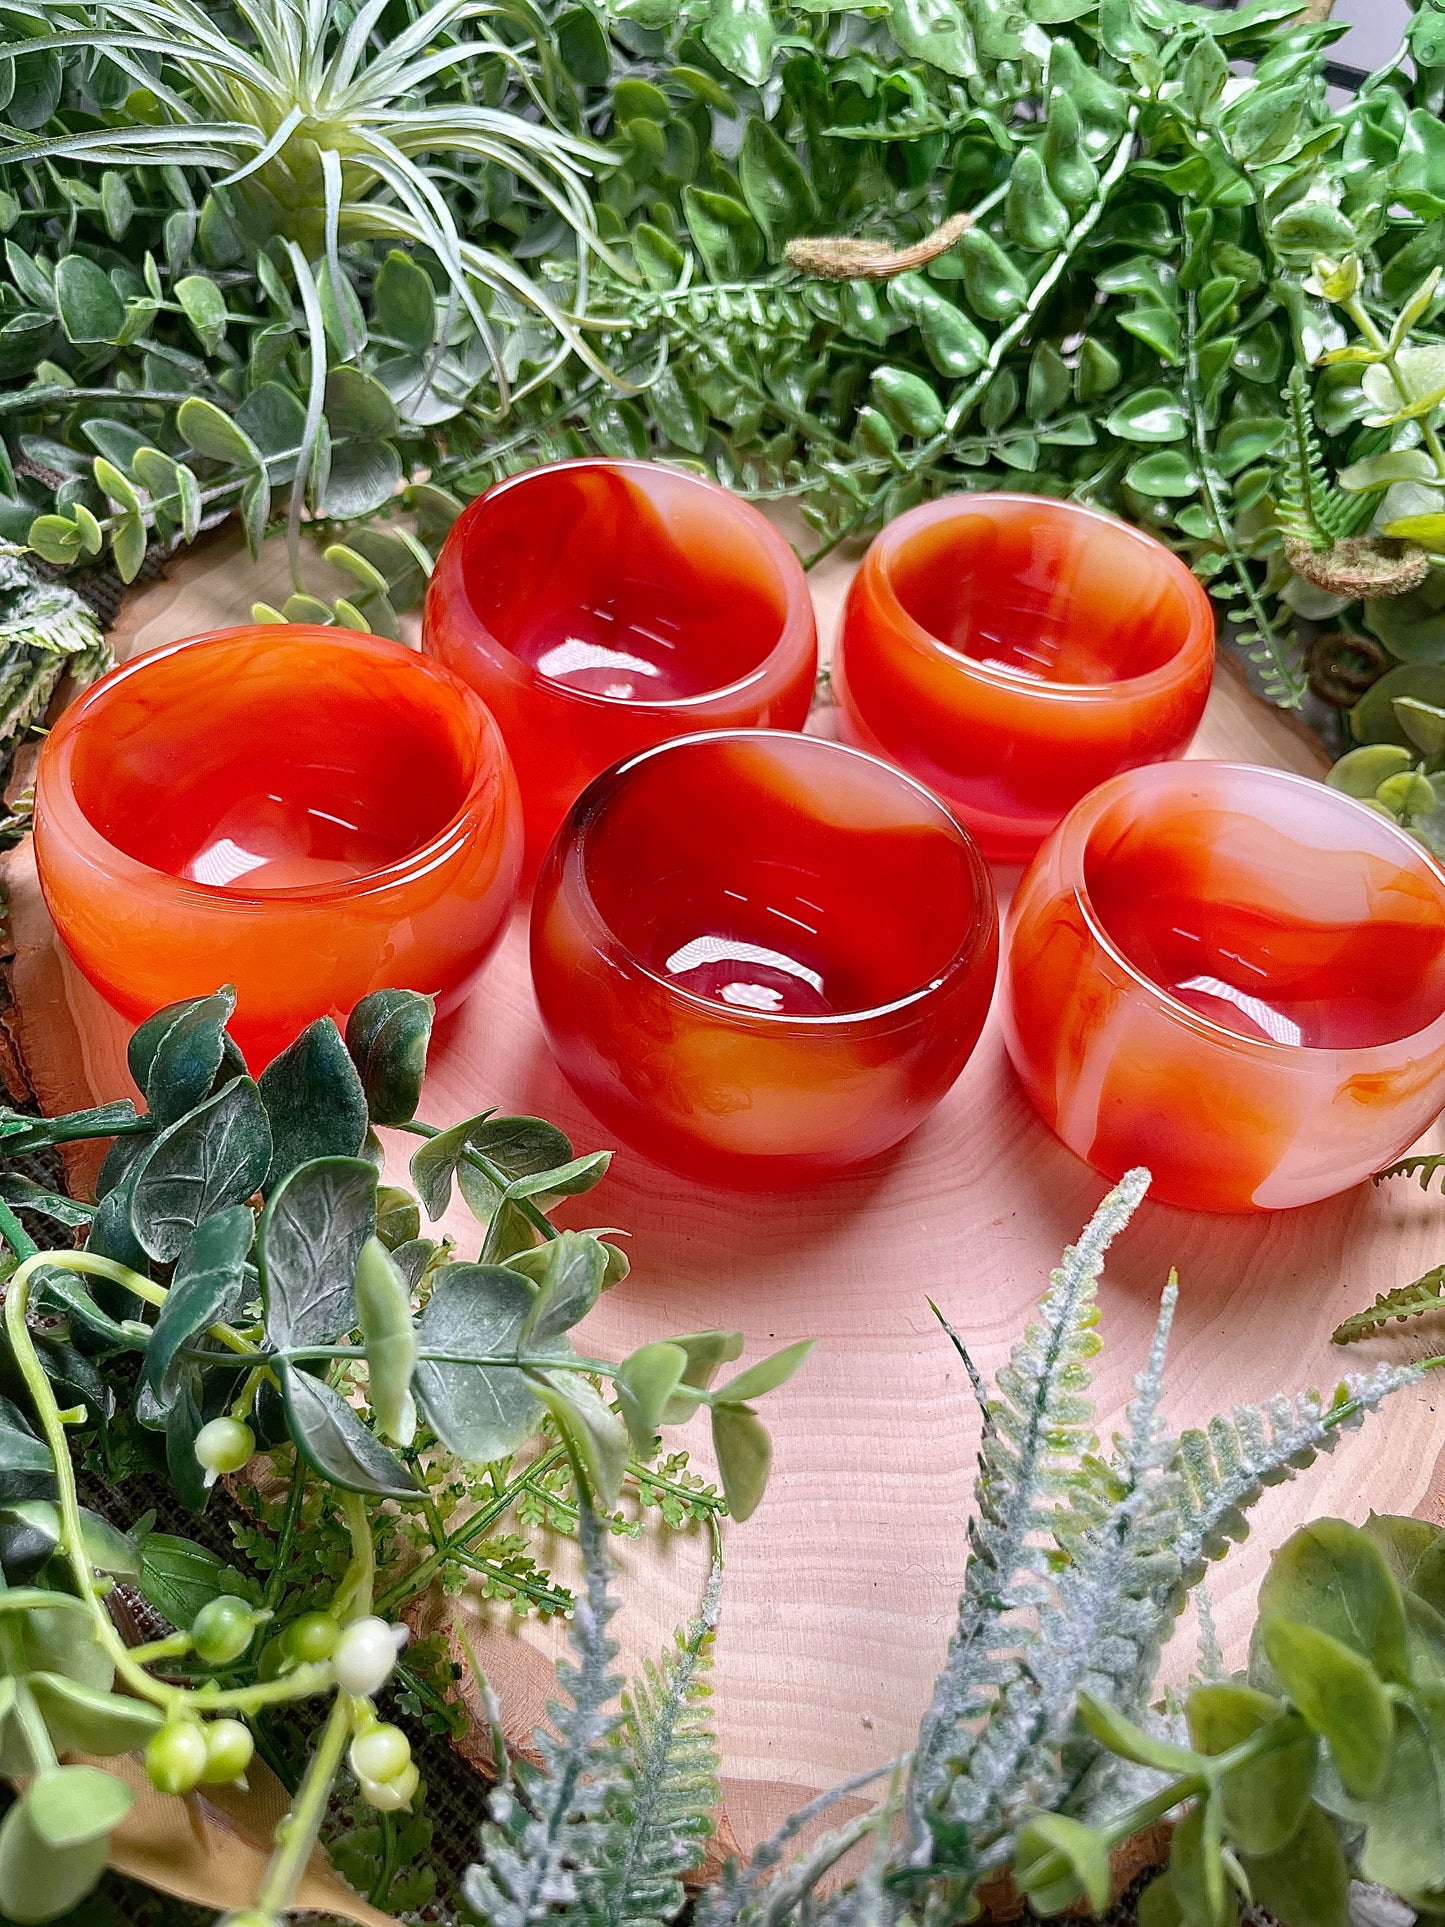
601	607
761	956
302	812
1013	652
1234	976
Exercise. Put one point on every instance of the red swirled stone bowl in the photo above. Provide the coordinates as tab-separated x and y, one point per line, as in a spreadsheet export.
1235	976
600	607
760	956
1013	652
302	812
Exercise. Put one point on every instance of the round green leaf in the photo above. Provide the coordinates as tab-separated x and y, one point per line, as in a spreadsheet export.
778	193
1168	473
387	1035
727	237
88	305
1265	1801
1339	1693
39	1882
69	1806
741	34
1330	1576
1150	415
744	1457
1360	772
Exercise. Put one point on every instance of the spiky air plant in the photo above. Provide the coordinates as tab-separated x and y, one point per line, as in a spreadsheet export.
318	128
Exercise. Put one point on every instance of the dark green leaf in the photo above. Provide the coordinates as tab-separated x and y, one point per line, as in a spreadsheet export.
312	1233
177	1055
937	32
207	1287
215	1156
178	1577
778	192
387	1035
479	1412
183	1424
26	1468
1405	1846
337	1446
314	1100
740	33
1150	415
403	301
211	432
517	1146
727	237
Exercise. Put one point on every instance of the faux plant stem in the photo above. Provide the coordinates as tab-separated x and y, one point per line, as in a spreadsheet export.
299	1831
173	1699
302	1826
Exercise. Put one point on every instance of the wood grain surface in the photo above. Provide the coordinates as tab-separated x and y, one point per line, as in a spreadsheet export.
840	1593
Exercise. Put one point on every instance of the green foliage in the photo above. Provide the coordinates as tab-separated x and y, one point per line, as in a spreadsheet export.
295	1328
1039	1752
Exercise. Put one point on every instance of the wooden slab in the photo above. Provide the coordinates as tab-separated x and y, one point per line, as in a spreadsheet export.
841	1592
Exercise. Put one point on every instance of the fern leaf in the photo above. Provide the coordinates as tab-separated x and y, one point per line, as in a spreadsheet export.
735	1896
1226	1468
1311	508
549	1822
1405	1301
1102	1630
1037	1432
664	1808
1426	1168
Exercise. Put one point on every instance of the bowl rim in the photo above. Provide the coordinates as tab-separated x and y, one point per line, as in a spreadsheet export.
569	853
55	794
1078	828
1195	651
797	635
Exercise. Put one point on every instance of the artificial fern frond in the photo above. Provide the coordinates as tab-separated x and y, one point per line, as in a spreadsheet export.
1226	1467
663	1810
1311	508
734	1898
1102	1630
1427	1167
1038	1430
549	1822
1404	1302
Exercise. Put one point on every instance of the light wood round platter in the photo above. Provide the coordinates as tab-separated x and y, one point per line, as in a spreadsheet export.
840	1593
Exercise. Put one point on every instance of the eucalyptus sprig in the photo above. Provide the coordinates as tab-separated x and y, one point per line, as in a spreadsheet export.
322	1326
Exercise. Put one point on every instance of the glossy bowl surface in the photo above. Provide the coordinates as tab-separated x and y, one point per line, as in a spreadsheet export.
1013	652
1234	976
762	956
600	607
305	813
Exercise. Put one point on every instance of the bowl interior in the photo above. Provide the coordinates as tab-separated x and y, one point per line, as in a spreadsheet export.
1042	591
638	584
781	876
270	765
1284	914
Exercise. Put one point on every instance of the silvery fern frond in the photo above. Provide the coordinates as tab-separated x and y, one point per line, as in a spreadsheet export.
662	1810
1038	1432
765	1890
548	1825
1225	1468
1101	1628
